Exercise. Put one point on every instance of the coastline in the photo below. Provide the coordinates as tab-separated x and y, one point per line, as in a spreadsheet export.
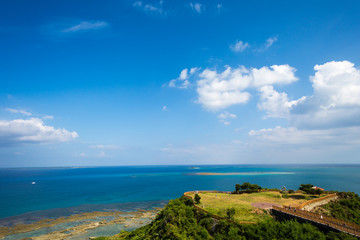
73	224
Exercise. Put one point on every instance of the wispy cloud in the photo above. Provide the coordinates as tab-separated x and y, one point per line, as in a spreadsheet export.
70	28
225	117
270	41
239	46
197	7
156	8
48	117
85	26
12	110
111	147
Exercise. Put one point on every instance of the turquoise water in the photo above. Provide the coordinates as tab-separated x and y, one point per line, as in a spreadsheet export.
64	191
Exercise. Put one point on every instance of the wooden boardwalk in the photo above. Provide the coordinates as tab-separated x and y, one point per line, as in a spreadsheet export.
329	222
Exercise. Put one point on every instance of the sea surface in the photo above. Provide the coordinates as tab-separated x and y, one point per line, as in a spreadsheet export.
33	193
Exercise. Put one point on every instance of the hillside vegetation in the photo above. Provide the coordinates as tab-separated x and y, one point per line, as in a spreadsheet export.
181	220
347	207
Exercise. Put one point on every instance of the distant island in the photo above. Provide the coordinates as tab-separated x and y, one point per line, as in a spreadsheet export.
253	212
235	173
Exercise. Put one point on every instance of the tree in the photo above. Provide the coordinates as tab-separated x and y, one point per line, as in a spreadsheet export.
237	187
245	186
197	198
306	188
230	212
318	191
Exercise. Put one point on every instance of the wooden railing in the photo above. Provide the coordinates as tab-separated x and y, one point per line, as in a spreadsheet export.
331	196
341	225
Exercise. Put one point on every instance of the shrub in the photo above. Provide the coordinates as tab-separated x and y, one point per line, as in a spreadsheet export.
197	198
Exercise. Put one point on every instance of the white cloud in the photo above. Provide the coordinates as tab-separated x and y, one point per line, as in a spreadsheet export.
197	7
270	41
111	147
225	116
276	74
12	110
276	104
32	131
221	90
336	98
165	108
183	80
239	46
331	116
48	117
85	26
307	138
151	8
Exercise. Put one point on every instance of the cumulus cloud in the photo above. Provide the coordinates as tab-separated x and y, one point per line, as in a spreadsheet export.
32	131
239	46
330	116
336	98
12	110
196	7
276	105
183	80
220	90
85	26
156	8
225	116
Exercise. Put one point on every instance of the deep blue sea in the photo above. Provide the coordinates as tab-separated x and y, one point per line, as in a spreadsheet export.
62	190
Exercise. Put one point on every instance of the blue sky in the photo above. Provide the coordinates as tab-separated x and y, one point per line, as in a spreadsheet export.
179	82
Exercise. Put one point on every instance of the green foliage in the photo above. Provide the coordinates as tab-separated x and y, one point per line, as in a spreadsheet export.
176	221
197	198
291	191
246	187
306	187
180	220
346	208
230	212
285	196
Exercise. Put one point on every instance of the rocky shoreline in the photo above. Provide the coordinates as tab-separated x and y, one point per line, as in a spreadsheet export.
77	224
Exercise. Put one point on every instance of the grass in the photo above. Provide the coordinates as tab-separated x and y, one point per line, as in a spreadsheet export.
217	203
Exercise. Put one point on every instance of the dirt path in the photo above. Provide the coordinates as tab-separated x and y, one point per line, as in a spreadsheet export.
263	205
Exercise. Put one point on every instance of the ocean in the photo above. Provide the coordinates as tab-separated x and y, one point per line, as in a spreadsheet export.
53	192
